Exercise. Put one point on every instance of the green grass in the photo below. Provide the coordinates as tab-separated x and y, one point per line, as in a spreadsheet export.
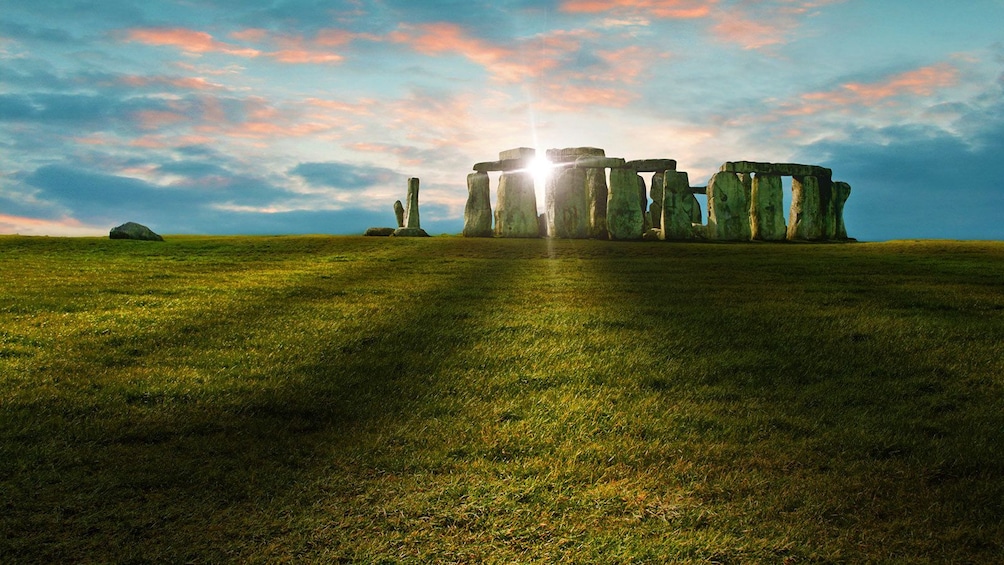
372	400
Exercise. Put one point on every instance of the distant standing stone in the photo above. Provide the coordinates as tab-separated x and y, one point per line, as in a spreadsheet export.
728	210
656	193
805	221
411	219
516	209
835	212
677	207
132	230
624	217
596	195
478	212
767	208
399	213
567	207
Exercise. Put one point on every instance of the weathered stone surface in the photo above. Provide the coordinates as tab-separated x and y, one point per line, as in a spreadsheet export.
600	163
411	218
643	204
624	217
695	210
596	196
399	213
677	207
567	207
651	234
571	154
767	208
655	194
839	192
525	153
542	225
132	230
516	209
478	211
504	165
728	211
747	180
409	232
379	232
652	165
783	169
805	220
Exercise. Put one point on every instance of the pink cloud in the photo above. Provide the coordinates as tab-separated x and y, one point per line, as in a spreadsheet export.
757	25
186	83
921	82
674	9
189	41
65	226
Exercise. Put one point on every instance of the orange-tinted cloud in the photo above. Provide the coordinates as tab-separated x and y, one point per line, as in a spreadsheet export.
924	81
185	83
674	9
189	41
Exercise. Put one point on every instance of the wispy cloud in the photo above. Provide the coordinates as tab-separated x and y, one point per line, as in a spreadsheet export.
676	9
921	82
188	40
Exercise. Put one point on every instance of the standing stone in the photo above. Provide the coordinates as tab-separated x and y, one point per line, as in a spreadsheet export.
478	212
839	193
677	212
695	209
728	211
657	194
542	225
567	207
805	220
399	213
516	210
643	203
767	208
624	217
411	219
596	196
747	180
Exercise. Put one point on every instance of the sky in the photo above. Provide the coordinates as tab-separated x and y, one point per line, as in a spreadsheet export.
309	116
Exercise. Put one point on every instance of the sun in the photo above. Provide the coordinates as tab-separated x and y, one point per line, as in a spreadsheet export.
540	168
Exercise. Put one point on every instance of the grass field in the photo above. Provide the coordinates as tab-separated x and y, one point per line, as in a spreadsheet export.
374	400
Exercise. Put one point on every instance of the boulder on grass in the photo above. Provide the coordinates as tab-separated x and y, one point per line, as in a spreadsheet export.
132	230
379	232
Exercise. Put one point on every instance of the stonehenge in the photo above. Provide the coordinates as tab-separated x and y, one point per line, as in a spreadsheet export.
744	200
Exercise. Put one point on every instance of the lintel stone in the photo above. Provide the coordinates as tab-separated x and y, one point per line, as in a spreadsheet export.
783	169
503	165
518	153
571	154
652	165
600	163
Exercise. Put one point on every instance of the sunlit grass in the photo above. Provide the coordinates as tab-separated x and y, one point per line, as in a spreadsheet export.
380	400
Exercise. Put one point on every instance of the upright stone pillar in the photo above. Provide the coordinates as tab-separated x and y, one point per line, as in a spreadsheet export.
516	209
643	204
767	208
677	214
839	193
411	219
567	207
596	196
728	211
805	220
478	212
399	213
657	193
624	213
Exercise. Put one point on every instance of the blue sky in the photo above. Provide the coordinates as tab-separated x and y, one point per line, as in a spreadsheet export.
308	116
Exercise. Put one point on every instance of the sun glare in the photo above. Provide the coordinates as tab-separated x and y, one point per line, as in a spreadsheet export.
540	168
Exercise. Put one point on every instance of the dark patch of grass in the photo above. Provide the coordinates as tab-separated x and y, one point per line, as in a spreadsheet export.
372	400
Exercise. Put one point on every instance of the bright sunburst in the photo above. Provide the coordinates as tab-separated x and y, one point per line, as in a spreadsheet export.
540	168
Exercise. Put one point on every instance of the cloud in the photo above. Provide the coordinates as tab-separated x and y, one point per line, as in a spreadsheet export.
922	181
763	24
345	176
675	9
188	40
921	82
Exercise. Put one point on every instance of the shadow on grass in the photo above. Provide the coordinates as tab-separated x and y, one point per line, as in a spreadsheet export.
206	471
